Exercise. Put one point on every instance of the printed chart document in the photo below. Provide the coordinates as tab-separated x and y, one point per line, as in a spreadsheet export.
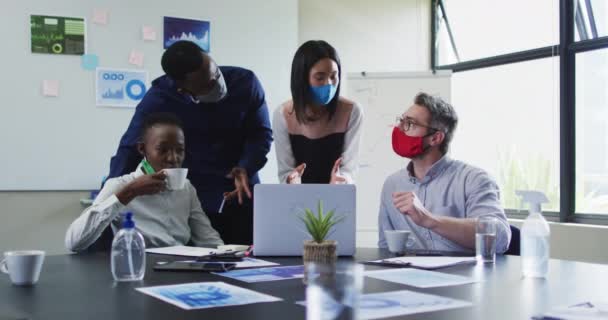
254	263
265	274
246	263
185	251
419	278
203	295
400	303
590	310
421	262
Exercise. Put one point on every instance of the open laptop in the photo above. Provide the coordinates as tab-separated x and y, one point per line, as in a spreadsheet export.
277	228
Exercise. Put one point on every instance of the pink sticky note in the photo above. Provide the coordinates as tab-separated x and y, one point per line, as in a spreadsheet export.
50	88
100	16
148	33
136	58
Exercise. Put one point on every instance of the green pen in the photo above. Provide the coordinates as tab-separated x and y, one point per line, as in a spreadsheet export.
146	167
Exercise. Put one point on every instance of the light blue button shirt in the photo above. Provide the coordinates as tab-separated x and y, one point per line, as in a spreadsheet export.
451	188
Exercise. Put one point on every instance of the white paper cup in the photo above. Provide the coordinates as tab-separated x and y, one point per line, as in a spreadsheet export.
176	178
396	240
23	267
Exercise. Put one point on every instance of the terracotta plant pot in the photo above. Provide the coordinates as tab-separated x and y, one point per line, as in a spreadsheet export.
320	253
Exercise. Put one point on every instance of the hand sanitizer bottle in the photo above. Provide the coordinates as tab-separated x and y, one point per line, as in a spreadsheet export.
535	236
128	252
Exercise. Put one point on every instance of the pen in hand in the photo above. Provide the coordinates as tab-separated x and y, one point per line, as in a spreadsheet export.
222	205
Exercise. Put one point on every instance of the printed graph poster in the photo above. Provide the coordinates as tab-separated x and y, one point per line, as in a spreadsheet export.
176	29
57	35
204	295
120	88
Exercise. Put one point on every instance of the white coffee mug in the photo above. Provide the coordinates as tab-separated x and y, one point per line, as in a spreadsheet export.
23	267
176	178
396	240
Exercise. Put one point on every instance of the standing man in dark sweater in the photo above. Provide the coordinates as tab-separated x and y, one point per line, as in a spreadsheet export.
227	133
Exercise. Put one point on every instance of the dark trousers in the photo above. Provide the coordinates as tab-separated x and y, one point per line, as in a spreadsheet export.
235	222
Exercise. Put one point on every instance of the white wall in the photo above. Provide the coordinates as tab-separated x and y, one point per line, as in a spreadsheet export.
380	35
37	220
260	35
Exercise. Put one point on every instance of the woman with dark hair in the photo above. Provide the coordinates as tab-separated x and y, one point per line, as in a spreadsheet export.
317	132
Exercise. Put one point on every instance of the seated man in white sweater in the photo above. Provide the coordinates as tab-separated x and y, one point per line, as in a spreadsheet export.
164	217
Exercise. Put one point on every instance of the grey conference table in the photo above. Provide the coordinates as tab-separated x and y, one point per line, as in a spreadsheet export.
81	287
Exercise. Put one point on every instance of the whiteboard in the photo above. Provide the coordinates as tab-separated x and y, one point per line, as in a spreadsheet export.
66	142
383	97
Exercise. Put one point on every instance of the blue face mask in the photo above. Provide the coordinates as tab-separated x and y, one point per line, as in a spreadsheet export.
322	95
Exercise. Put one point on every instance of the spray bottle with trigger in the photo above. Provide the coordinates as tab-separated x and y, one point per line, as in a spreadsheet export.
535	234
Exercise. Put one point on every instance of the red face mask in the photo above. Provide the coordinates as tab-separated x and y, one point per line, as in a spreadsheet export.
407	146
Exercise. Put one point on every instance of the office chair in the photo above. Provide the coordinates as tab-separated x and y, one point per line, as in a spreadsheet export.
514	246
104	242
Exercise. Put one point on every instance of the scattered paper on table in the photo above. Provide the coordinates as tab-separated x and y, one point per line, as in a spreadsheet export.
204	295
136	58
254	263
148	33
246	263
185	251
419	278
100	16
89	61
400	303
426	262
590	310
50	88
265	274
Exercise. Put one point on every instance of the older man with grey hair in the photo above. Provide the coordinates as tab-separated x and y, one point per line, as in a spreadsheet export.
435	197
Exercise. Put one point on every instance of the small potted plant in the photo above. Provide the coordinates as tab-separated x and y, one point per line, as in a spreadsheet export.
319	226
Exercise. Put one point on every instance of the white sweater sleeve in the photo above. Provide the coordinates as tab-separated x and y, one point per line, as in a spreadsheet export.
285	159
202	233
350	156
85	230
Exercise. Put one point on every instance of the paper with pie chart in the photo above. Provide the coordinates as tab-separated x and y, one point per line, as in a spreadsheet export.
204	295
119	87
404	302
395	303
